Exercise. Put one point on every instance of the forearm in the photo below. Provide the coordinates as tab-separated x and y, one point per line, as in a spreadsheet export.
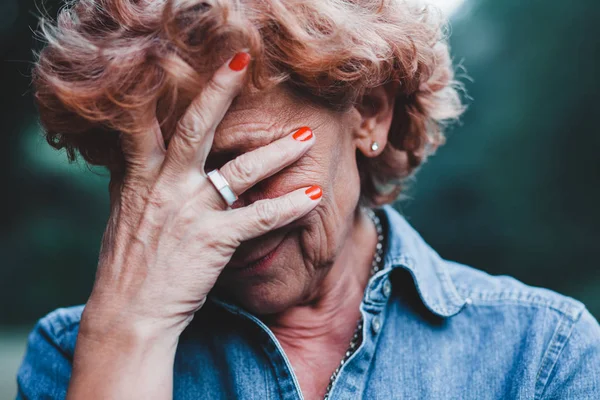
122	363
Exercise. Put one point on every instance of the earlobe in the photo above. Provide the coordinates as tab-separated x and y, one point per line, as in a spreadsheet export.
376	109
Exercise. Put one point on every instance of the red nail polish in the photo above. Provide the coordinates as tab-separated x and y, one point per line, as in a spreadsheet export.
303	134
239	61
314	192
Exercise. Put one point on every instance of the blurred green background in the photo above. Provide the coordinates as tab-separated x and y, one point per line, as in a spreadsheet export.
515	190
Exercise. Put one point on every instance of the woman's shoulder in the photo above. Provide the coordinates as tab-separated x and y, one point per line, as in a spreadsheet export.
480	288
450	286
553	331
46	367
61	326
511	303
506	295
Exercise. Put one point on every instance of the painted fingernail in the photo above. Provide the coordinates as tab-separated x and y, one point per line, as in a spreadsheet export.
314	192
303	134
239	61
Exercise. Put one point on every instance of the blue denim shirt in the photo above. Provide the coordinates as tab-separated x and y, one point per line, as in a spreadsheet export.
433	329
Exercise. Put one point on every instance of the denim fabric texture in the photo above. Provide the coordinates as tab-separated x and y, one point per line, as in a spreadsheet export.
433	329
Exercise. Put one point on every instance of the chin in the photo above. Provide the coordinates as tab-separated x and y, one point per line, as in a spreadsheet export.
267	289
267	300
262	298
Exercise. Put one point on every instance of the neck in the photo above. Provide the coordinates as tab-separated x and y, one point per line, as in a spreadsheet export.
332	315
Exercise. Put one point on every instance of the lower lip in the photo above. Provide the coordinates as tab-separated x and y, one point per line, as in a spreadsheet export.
260	265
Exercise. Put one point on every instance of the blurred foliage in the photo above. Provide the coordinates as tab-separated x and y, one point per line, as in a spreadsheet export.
515	190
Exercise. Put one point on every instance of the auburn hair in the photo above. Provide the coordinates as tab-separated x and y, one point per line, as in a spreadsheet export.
111	66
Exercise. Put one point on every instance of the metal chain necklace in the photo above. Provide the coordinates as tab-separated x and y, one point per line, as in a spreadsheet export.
375	267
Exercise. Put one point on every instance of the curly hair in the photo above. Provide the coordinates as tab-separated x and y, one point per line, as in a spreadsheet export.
111	66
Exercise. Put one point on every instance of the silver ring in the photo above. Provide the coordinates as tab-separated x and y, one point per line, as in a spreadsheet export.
222	186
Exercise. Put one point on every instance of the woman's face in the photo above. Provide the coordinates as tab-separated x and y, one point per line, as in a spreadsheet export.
305	250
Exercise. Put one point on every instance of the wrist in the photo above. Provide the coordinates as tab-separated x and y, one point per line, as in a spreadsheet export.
112	324
121	357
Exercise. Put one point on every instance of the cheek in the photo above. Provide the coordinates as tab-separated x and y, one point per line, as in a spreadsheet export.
345	184
341	197
343	177
331	164
324	230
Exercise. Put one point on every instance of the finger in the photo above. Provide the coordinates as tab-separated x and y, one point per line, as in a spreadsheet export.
144	152
193	138
266	215
248	169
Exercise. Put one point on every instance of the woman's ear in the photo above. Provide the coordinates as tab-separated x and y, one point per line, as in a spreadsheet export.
376	109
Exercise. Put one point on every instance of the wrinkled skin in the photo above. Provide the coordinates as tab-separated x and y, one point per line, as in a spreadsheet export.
316	279
312	243
170	237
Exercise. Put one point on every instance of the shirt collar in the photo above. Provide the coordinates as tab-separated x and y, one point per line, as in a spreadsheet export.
408	250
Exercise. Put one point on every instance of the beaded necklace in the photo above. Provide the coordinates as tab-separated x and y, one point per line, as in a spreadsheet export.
375	266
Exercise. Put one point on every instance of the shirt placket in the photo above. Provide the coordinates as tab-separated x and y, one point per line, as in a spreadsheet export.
351	380
352	376
286	380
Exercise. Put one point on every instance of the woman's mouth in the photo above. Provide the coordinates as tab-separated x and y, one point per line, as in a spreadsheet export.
258	258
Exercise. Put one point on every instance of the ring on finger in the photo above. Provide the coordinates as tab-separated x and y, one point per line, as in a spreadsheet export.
220	183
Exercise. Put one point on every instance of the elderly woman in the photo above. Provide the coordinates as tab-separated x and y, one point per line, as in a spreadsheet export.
252	147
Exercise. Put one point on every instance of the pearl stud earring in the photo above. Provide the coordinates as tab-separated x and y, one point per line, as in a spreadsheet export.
375	146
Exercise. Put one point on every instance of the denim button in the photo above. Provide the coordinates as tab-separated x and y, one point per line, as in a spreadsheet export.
376	324
387	288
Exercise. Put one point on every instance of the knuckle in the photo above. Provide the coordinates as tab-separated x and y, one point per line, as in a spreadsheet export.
243	169
194	124
291	206
216	86
266	214
286	151
187	134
